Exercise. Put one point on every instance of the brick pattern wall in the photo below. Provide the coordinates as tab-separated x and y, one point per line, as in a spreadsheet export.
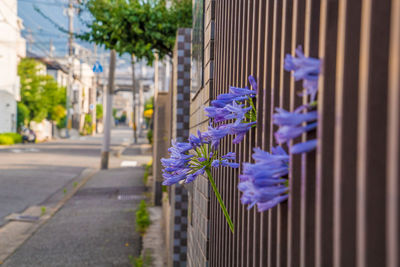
180	97
199	190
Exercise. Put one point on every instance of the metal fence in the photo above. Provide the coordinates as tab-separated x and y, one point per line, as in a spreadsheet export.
343	208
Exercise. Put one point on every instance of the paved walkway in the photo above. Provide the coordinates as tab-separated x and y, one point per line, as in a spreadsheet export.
96	227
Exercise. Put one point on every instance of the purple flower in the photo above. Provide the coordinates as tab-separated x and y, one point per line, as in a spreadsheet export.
283	117
263	206
239	129
228	112
261	182
225	99
303	147
241	92
215	134
197	141
174	177
181	147
311	88
230	156
286	133
236	111
191	177
305	68
218	114
224	163
253	83
255	195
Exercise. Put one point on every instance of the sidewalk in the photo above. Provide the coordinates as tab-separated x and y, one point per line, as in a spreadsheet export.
96	227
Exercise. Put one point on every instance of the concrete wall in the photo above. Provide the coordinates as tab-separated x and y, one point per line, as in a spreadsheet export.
12	48
161	140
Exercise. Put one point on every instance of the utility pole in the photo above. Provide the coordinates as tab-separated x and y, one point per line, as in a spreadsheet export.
105	151
70	13
134	99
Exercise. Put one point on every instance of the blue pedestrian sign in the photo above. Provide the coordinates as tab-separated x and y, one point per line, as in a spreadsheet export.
97	68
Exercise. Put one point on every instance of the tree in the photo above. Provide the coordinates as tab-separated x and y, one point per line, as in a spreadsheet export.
41	96
137	27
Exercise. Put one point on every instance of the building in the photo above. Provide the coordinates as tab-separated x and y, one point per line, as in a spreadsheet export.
12	49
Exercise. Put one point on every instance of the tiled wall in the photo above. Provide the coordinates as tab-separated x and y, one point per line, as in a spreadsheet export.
180	97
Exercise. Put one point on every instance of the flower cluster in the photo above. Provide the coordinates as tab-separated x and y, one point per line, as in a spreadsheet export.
263	182
199	154
291	123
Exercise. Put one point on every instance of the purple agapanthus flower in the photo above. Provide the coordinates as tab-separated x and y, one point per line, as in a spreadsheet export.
218	114
261	182
283	117
191	177
241	92
215	134
224	163
225	99
304	147
240	130
305	68
228	112
287	133
196	141
253	83
230	156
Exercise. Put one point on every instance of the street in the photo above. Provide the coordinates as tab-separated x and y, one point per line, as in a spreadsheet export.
32	173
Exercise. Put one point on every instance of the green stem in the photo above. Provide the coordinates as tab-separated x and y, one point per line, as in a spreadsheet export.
221	202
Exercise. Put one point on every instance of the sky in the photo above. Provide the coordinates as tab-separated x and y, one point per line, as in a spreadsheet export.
39	32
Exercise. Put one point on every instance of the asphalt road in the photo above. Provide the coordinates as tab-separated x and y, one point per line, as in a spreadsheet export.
31	173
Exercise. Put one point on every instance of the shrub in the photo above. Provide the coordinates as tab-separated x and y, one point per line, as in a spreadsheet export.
6	140
150	136
142	218
16	137
147	171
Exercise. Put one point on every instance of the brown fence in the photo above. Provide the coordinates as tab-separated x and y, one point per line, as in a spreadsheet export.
343	208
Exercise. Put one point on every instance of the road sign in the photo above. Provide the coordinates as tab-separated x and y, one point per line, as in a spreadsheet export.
97	67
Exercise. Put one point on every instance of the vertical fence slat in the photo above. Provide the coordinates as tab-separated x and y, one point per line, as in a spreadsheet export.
275	71
266	118
295	161
371	167
346	113
284	102
393	143
326	126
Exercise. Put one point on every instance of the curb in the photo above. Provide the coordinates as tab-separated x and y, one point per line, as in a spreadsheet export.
14	233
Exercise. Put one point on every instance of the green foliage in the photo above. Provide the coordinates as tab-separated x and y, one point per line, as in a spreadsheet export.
10	138
147	171
22	114
41	96
142	218
87	128
16	137
137	27
58	113
150	136
141	261
6	140
43	210
99	111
